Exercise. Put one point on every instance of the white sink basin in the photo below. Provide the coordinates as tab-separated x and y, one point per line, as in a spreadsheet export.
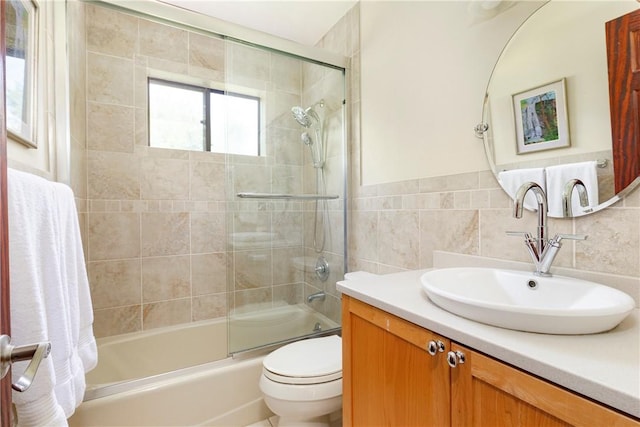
525	302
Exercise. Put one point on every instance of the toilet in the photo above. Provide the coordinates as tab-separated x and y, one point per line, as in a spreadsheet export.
302	382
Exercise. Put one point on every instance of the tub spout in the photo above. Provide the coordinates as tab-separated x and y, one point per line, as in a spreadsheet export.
318	295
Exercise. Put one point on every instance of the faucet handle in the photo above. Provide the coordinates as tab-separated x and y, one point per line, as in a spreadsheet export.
525	234
559	237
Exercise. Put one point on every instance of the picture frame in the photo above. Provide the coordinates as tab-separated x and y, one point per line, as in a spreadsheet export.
541	118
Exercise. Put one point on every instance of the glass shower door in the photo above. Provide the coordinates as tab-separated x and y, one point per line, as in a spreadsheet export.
285	213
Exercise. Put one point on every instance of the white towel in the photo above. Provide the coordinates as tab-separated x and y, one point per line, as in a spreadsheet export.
31	241
558	176
49	297
511	181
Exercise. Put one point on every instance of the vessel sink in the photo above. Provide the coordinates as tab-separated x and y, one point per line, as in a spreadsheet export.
526	302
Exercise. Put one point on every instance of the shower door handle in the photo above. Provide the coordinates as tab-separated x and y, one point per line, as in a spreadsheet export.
10	354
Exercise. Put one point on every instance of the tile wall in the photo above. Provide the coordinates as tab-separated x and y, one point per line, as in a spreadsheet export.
397	226
156	221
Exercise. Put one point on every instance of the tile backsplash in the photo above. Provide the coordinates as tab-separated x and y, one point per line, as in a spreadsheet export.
401	225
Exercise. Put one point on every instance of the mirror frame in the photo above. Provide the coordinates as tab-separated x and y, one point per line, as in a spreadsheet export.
484	131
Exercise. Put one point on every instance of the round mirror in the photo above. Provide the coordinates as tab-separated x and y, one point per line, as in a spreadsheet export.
547	107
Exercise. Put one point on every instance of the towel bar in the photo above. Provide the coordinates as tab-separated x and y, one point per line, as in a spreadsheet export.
286	196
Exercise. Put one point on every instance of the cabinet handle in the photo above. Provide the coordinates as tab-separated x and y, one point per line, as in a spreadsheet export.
434	347
455	357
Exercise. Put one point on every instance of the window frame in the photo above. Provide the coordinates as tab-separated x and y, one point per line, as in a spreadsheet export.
206	111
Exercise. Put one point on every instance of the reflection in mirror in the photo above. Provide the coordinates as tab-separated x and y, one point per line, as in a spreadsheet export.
561	41
21	39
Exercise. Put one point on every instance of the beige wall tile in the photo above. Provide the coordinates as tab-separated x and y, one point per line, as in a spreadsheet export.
113	175
164	179
449	230
207	181
363	235
109	79
209	307
209	273
251	178
398	238
166	313
141	127
286	73
613	245
114	235
289	294
286	179
208	233
290	228
163	41
110	127
247	65
116	321
165	278
111	32
288	266
114	283
287	145
252	269
245	298
165	233
207	52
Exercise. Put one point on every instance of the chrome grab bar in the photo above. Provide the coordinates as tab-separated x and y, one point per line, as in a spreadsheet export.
286	196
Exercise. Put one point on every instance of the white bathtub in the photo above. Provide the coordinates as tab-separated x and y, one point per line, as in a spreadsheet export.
223	393
149	378
144	354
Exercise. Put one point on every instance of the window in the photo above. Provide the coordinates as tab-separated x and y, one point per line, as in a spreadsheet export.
21	34
196	118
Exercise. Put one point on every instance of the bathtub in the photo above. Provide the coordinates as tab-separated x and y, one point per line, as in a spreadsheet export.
170	376
144	354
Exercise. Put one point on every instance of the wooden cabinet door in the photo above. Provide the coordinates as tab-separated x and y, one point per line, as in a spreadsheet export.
486	392
389	377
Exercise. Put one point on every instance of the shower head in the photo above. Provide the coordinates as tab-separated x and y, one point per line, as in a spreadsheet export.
306	117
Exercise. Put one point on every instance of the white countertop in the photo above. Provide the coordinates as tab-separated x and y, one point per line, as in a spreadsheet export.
604	367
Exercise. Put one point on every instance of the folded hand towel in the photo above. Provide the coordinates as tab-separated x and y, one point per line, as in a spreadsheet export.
558	176
511	181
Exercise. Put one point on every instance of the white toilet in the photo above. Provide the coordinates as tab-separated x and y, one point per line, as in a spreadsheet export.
302	382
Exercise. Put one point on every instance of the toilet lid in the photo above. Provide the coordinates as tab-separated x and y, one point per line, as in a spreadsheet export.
312	358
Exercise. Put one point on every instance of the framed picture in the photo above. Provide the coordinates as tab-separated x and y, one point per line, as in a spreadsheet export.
541	118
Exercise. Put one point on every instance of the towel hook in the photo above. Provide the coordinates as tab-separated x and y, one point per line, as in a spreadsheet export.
10	354
480	129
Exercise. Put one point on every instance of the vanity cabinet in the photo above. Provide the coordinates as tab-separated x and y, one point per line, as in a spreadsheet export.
391	379
388	376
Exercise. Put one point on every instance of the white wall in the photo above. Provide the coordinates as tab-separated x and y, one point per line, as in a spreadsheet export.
425	67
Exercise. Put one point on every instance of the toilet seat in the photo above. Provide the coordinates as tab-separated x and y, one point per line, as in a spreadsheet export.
312	361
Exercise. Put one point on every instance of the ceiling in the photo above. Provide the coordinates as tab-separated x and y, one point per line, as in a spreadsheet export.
302	21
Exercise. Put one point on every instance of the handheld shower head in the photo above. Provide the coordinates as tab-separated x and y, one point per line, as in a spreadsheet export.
306	117
306	139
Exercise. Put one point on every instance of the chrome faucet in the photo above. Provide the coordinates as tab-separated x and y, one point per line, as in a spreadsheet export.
318	295
568	192
542	251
